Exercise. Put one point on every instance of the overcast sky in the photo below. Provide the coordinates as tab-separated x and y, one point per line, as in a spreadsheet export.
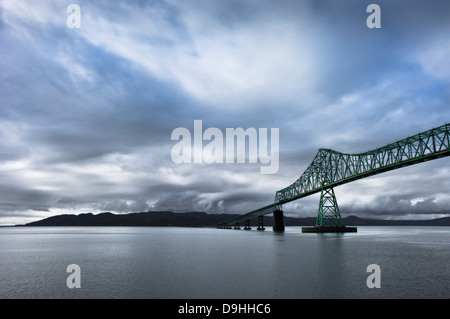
86	114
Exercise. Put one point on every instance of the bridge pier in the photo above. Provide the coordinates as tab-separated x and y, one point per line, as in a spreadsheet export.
247	225
261	223
236	226
329	229
328	211
278	221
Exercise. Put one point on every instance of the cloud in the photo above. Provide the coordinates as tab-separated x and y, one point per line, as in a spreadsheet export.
416	190
210	51
86	114
118	205
433	59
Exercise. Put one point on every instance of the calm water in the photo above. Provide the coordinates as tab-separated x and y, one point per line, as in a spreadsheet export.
169	262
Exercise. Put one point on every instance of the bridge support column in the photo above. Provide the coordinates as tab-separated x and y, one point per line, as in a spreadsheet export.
261	222
247	225
328	210
278	221
236	226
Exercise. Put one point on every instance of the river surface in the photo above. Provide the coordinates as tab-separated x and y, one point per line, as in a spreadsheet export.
176	262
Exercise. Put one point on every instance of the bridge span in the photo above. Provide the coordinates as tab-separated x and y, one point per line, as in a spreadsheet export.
330	168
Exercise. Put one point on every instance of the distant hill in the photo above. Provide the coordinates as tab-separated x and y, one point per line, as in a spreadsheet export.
156	218
200	219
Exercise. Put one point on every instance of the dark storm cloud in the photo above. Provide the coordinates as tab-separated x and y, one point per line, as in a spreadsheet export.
78	120
86	114
22	199
217	203
401	207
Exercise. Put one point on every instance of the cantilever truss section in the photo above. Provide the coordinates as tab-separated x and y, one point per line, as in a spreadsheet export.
330	168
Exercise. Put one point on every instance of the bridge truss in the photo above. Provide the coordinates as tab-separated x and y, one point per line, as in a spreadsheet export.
330	168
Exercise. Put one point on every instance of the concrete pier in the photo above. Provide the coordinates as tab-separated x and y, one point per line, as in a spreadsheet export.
261	223
278	221
329	229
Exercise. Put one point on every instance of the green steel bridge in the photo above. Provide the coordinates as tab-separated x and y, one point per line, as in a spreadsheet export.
330	168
